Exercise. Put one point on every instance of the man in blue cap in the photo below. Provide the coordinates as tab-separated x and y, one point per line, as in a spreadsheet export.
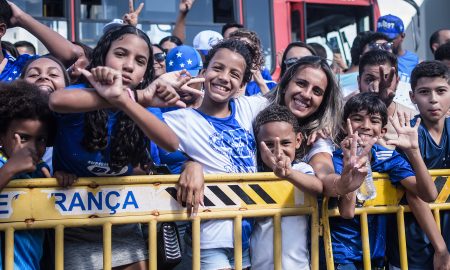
392	26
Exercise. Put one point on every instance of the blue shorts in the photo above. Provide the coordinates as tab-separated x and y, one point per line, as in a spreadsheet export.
219	258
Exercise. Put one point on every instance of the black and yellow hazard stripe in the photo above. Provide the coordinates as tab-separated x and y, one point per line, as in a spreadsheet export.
250	194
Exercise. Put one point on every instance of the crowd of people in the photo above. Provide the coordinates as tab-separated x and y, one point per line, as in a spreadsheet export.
133	107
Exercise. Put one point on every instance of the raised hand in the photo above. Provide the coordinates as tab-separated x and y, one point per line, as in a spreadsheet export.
386	86
354	169
408	137
17	13
276	160
107	82
132	17
23	158
185	5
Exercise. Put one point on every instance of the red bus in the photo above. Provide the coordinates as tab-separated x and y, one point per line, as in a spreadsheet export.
278	22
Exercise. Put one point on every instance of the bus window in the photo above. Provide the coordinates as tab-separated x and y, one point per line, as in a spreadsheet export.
224	11
335	26
258	18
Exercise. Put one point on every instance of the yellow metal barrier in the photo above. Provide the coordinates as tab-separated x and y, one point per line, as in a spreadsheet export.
387	202
40	203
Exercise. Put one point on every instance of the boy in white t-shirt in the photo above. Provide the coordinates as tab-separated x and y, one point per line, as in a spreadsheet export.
280	142
219	136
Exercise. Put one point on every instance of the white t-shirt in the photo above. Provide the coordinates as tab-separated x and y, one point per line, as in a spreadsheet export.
221	145
402	96
294	238
319	146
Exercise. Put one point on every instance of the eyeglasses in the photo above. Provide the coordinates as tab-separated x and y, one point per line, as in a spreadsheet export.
386	46
159	57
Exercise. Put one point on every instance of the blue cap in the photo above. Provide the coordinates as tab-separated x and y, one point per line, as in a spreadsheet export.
390	25
184	57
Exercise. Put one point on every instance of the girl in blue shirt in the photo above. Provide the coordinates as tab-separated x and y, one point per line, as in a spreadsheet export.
94	141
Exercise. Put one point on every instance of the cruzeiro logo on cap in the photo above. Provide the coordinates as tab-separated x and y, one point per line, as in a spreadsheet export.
213	41
386	25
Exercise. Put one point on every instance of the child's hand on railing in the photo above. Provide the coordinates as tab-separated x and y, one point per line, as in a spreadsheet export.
65	179
191	186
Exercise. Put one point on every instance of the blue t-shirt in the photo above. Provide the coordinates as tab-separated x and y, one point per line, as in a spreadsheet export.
406	63
252	87
70	156
346	233
173	160
349	83
28	244
419	248
14	66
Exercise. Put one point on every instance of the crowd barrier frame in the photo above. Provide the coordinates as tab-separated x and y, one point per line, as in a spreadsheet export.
38	204
389	200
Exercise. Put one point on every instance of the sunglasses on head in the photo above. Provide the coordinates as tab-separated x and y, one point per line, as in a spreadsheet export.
386	46
291	61
159	57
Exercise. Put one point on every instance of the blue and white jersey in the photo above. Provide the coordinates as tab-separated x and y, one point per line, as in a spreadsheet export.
14	66
436	155
406	63
346	233
221	145
28	244
70	156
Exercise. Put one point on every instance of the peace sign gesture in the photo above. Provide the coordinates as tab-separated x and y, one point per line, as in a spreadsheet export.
356	154
132	16
386	86
408	137
276	159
